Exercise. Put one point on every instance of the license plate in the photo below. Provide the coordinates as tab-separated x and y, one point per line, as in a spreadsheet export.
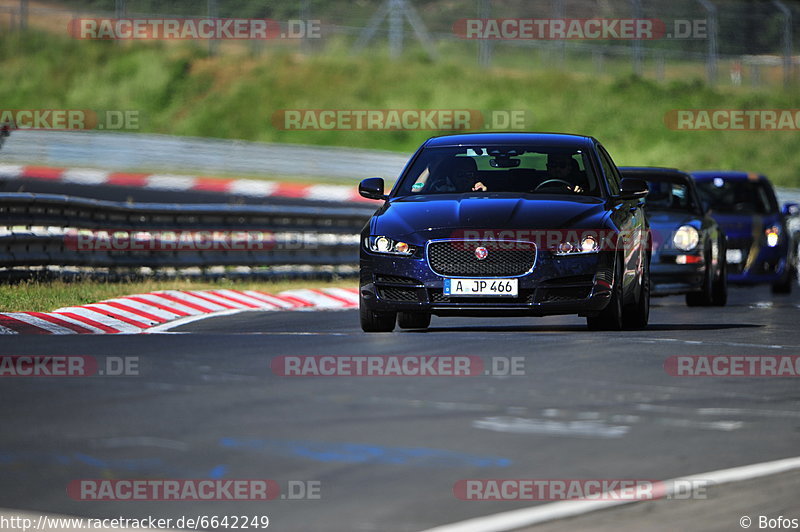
734	256
481	287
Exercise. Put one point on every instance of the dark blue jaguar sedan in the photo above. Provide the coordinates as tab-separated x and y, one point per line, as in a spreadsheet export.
506	224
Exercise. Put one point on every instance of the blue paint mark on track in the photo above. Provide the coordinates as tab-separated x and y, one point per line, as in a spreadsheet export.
355	453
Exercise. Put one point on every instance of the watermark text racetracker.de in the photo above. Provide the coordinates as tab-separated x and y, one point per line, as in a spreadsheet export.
401	119
733	119
207	489
192	29
579	28
68	366
733	366
70	119
549	489
396	366
223	240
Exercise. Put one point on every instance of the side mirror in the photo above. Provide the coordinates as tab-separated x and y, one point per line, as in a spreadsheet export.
705	205
632	188
791	209
372	188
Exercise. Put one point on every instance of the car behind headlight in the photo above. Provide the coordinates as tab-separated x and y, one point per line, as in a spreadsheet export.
686	238
773	236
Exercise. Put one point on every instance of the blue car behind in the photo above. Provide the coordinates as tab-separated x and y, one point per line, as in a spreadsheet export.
761	248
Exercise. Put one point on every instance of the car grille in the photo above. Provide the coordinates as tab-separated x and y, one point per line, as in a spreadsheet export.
396	279
398	294
457	257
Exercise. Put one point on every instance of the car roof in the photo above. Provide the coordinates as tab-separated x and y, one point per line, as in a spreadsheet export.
705	175
496	139
656	172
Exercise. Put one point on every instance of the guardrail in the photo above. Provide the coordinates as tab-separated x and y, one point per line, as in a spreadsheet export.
124	152
39	230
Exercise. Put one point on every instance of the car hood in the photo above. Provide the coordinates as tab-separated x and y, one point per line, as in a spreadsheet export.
406	216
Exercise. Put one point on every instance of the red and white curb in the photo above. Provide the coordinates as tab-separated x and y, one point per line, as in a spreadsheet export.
159	311
180	183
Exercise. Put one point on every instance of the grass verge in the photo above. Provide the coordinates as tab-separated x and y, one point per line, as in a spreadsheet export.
181	90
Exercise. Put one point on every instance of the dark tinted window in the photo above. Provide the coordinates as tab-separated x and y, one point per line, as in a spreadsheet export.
669	196
506	169
737	196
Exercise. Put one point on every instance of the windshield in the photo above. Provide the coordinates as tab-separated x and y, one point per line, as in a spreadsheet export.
737	196
669	196
514	169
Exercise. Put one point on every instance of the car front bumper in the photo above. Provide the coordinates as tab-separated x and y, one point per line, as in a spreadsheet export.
579	284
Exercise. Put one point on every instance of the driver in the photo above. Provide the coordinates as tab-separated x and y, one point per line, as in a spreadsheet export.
461	175
563	167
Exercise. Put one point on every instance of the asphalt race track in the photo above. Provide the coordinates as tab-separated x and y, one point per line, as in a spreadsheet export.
388	450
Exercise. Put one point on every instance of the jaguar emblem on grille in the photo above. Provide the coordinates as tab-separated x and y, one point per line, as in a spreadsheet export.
481	253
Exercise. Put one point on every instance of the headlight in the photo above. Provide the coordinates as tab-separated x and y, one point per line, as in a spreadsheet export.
587	244
384	244
686	238
773	236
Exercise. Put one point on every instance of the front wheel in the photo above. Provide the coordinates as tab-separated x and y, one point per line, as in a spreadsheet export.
375	321
637	315
705	297
719	294
610	318
784	286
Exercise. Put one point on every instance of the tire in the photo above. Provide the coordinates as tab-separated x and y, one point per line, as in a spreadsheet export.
375	321
610	318
719	292
413	320
705	297
784	286
637	315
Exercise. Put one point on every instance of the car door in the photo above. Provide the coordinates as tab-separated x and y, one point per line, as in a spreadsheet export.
629	217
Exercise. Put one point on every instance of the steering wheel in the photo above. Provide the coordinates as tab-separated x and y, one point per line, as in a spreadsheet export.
559	181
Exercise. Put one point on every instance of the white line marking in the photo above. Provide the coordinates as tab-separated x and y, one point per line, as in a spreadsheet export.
515	519
585	429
